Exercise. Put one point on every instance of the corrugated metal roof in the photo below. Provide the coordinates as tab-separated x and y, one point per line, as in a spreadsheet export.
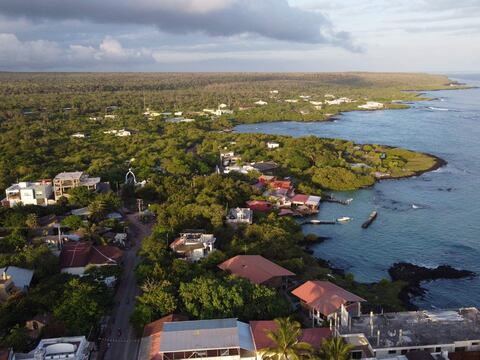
205	335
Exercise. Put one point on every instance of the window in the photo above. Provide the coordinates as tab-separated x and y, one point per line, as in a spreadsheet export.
356	355
404	351
438	349
392	351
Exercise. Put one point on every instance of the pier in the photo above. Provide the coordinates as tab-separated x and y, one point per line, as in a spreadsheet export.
370	220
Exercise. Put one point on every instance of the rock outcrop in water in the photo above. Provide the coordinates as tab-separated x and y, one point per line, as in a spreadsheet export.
413	275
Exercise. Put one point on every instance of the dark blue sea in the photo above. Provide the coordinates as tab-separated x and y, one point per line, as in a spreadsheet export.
428	220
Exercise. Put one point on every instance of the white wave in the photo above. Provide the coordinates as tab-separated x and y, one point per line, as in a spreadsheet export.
437	108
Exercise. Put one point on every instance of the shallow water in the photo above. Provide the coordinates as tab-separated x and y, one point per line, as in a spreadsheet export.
428	220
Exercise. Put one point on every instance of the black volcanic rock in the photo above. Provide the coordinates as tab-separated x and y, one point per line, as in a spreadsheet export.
413	275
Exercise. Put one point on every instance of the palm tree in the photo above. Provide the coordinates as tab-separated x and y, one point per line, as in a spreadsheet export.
286	342
32	221
97	210
335	348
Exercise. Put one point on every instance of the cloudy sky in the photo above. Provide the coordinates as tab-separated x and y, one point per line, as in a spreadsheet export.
240	35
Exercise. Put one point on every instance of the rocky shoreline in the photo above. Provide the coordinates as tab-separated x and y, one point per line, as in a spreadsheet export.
414	275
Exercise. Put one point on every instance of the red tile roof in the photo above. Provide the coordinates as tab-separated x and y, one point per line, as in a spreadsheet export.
255	268
259	329
324	296
80	254
280	184
300	198
154	330
259	205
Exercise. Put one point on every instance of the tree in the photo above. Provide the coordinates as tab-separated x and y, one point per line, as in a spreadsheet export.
97	209
17	338
159	297
32	221
81	306
286	344
334	348
73	222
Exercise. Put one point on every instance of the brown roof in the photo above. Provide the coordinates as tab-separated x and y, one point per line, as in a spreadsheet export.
80	254
255	268
5	354
324	296
313	336
154	330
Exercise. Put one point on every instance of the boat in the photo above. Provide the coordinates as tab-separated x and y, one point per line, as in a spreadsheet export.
371	218
319	222
344	219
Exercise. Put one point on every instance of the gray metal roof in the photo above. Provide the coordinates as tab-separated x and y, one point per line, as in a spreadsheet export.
205	335
20	277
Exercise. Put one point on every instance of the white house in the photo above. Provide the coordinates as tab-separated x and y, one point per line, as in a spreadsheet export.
29	193
71	348
273	92
291	100
78	135
371	105
316	103
273	145
239	216
260	102
123	133
193	244
110	116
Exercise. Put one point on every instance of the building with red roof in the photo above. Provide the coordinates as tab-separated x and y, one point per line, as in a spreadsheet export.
259	205
312	336
326	301
76	257
257	269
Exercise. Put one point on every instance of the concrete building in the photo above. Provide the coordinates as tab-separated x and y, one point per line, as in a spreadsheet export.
391	335
71	348
64	182
260	102
193	244
29	193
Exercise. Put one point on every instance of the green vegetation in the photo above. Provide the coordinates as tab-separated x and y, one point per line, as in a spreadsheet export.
40	112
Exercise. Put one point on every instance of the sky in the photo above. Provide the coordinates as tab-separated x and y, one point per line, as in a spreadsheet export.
240	35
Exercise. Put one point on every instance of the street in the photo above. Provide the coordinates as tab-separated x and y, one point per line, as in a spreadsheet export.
123	344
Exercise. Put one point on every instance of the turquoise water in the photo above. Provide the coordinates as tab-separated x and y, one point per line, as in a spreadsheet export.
428	220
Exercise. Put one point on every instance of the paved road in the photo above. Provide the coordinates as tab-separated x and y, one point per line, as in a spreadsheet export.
125	346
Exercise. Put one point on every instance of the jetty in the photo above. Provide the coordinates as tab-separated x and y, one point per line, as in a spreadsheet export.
319	222
331	199
370	220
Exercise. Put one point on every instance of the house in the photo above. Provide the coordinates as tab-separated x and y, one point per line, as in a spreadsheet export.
193	244
150	342
259	329
305	97
110	116
291	100
78	135
257	270
260	102
316	103
273	91
259	205
371	105
123	133
64	182
238	216
326	301
29	193
265	167
6	354
13	280
280	184
71	348
227	339
273	145
393	335
77	257
310	203
180	119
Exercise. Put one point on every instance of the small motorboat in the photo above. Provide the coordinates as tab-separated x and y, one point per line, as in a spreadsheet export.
344	219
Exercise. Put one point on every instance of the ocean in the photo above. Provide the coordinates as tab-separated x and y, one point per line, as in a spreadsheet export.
428	220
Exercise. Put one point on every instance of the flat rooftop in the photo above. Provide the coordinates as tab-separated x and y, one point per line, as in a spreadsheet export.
418	328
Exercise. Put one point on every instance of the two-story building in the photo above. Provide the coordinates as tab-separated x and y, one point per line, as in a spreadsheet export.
64	182
70	348
29	193
193	244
